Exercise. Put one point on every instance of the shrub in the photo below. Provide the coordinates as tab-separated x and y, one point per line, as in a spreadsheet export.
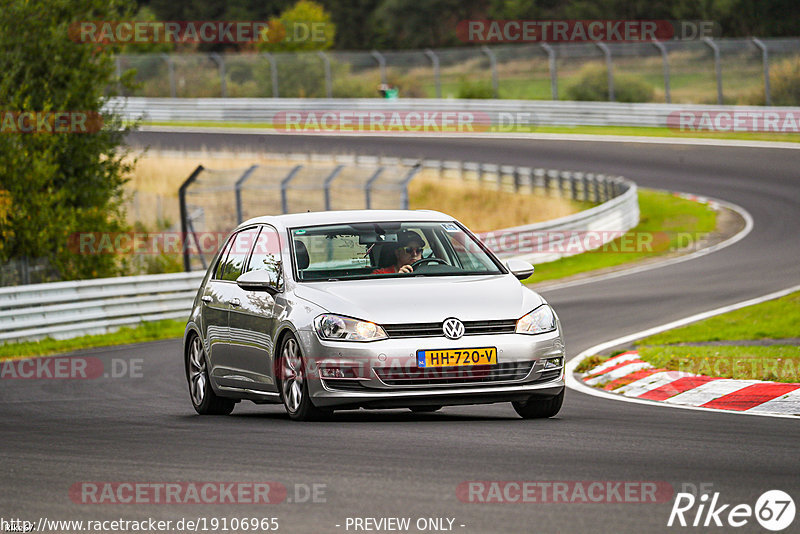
592	85
479	89
784	79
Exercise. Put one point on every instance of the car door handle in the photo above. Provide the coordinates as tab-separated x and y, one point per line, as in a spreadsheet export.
206	299
234	302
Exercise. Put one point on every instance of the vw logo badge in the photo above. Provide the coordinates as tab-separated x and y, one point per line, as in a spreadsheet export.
453	328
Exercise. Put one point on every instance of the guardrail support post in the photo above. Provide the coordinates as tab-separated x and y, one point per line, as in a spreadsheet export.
436	79
551	57
665	62
410	176
327	185
285	187
239	183
717	66
185	216
765	59
220	61
610	67
171	73
328	78
381	63
273	73
368	186
493	62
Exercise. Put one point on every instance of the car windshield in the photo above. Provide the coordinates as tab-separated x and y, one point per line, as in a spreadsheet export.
380	249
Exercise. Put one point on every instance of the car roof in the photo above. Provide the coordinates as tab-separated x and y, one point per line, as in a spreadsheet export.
347	216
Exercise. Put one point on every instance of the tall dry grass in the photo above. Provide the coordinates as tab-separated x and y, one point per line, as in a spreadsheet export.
153	190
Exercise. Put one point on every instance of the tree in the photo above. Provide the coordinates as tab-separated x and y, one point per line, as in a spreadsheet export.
304	27
59	184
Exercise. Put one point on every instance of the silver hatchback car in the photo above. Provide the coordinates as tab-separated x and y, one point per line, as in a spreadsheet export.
369	309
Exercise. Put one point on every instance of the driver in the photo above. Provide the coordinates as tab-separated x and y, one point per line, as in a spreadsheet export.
409	250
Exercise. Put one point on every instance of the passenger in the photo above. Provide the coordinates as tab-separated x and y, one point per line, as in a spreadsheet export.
409	249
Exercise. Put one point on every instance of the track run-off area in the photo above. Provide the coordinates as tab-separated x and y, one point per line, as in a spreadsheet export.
141	427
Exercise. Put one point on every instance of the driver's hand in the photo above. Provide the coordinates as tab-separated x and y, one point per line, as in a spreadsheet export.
406	269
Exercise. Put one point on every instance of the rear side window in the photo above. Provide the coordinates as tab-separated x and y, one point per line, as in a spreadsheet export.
233	264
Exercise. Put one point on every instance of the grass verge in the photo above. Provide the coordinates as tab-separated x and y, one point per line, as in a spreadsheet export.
687	348
640	131
665	221
153	331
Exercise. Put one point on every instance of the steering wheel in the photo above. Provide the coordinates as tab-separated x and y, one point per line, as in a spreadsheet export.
428	261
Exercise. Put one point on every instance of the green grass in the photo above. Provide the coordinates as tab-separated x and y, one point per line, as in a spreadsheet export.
775	319
779	363
634	131
662	216
151	331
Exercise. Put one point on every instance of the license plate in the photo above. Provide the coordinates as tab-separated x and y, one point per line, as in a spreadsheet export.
456	357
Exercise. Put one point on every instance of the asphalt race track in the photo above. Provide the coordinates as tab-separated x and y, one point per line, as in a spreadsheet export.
56	433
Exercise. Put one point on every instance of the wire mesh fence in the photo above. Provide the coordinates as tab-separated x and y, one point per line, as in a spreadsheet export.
730	71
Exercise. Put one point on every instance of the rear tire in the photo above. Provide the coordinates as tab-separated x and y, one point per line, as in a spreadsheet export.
204	400
537	408
293	383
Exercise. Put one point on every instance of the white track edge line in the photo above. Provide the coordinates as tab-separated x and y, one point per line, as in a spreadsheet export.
575	384
739	143
748	227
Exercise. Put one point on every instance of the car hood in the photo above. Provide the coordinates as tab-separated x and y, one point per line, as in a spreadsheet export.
423	299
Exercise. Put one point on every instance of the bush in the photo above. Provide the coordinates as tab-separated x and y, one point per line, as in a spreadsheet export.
592	85
467	89
784	79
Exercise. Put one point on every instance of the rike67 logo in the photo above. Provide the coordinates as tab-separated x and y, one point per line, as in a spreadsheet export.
774	510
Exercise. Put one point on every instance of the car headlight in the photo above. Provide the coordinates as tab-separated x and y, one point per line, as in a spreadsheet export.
338	328
539	321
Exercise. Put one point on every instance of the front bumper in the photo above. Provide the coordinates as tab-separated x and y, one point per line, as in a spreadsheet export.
386	372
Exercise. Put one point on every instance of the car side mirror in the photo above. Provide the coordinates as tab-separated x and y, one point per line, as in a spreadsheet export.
259	280
520	268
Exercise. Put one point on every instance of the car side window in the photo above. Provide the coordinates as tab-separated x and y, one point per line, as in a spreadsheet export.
266	254
237	256
222	260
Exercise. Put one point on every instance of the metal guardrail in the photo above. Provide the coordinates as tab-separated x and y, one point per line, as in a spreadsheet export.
501	115
68	309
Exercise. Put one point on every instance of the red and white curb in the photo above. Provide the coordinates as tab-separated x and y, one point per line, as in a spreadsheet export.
627	375
644	389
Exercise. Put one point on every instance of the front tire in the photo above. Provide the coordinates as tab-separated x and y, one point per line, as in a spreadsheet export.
293	382
204	400
537	408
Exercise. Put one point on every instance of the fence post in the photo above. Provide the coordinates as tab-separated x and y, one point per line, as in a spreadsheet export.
665	61
610	66
435	61
713	46
368	186
493	62
765	59
327	185
171	74
118	73
328	79
551	57
239	183
410	176
273	73
185	216
285	187
381	63
220	61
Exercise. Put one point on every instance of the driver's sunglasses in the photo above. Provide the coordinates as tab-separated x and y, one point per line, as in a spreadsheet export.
413	250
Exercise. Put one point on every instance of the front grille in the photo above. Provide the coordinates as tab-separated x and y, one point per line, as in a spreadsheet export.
471	328
454	375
